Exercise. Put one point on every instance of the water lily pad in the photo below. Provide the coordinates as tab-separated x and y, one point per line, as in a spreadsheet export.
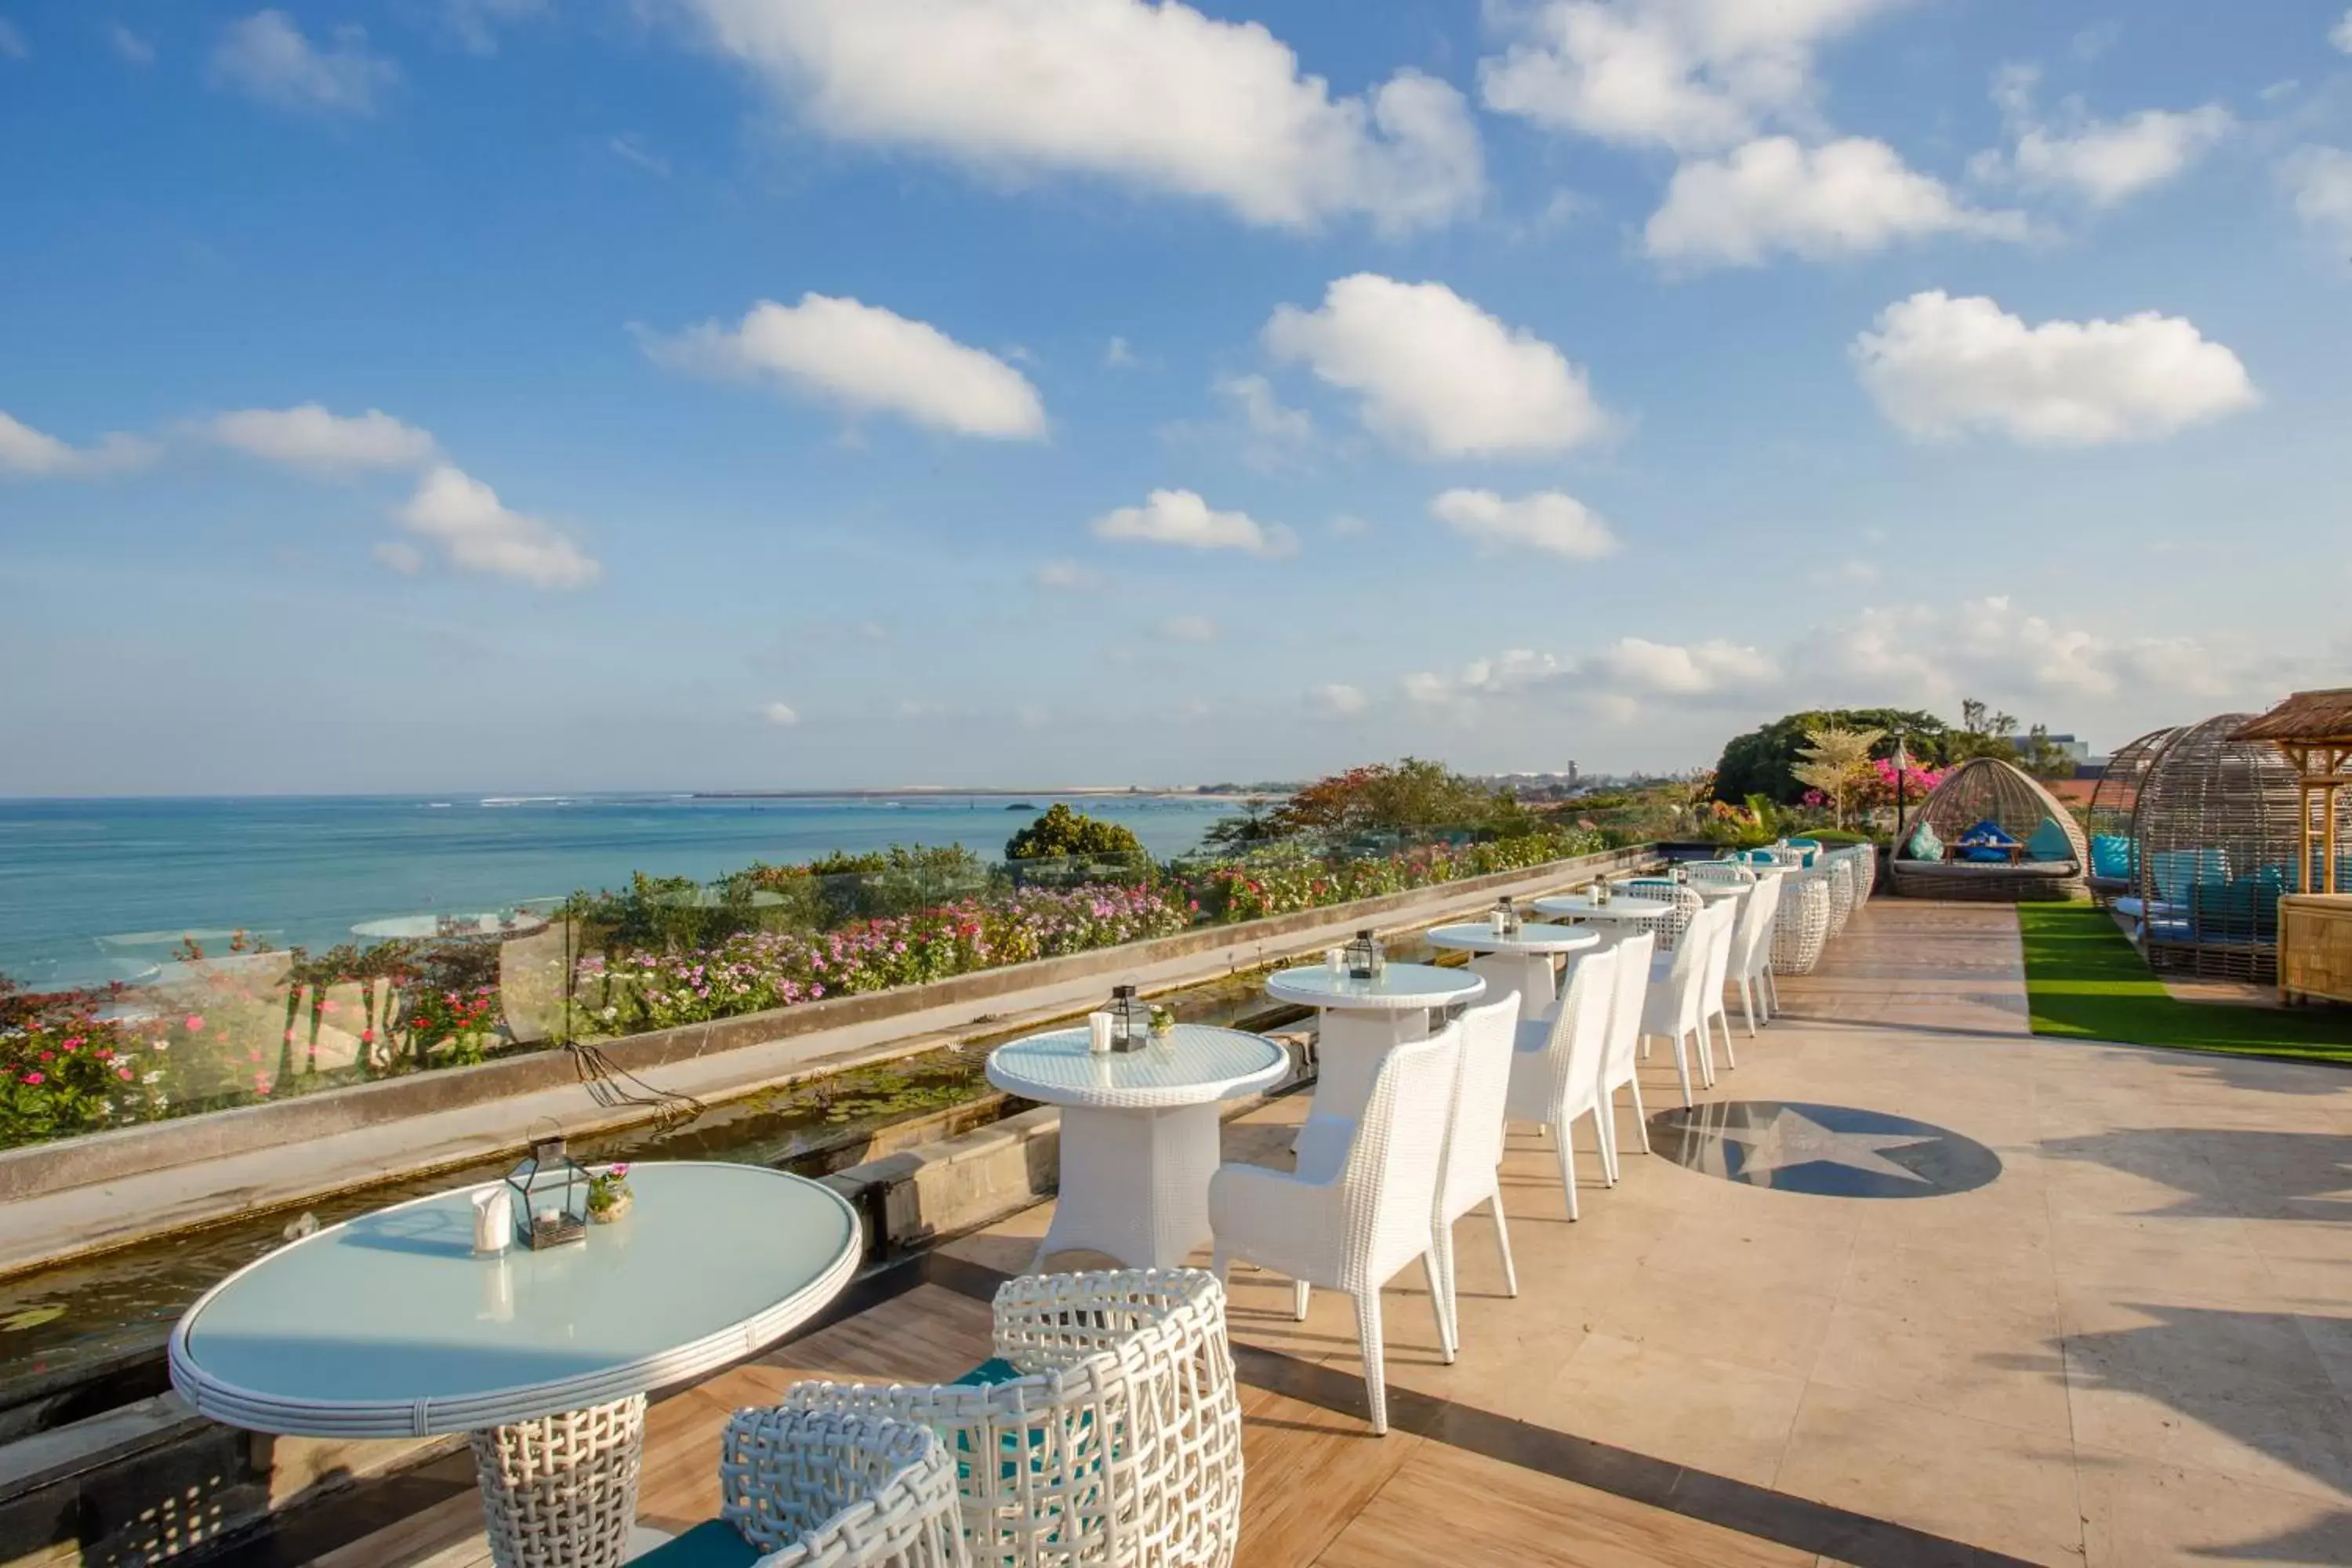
30	1318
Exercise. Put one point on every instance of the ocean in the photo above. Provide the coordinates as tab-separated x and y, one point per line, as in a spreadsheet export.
92	890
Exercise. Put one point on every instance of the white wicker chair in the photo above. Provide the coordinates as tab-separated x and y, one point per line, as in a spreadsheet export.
1803	927
1675	1011
1119	1442
1620	1066
1723	873
1556	1067
1472	1172
814	1489
1723	917
1667	928
1751	950
1354	1217
1839	875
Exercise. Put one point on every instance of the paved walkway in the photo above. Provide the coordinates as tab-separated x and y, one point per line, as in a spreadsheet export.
2130	1346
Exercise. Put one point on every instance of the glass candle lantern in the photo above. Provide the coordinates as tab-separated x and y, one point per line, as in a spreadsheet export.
1130	1020
550	1196
1364	958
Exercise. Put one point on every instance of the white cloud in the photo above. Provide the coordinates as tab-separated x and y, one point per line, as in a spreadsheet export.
2319	180
1337	699
478	532
1116	356
266	57
131	45
1264	411
401	557
2103	161
2340	35
309	437
1182	517
1437	375
1692	75
34	453
1187	628
1847	197
866	359
475	22
780	714
1548	520
1940	367
1156	96
1676	669
1068	577
633	150
1347	525
12	42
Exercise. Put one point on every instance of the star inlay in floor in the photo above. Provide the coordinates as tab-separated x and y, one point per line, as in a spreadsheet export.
1832	1151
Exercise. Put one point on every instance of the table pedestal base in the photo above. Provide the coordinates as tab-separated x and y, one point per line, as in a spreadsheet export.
561	1491
1528	976
1135	1184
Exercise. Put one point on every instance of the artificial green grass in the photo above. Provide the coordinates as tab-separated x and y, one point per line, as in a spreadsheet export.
2083	978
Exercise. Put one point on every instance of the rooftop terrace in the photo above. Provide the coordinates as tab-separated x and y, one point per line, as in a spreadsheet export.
2130	1346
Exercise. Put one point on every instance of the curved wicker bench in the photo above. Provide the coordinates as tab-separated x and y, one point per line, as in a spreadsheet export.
2026	882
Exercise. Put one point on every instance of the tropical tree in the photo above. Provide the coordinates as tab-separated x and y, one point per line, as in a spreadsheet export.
1836	761
1063	833
1764	761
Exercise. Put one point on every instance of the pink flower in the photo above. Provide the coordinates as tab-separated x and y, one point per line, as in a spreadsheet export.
195	1023
35	1079
367	1037
122	1073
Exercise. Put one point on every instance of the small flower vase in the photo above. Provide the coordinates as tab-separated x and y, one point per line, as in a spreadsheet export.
618	1209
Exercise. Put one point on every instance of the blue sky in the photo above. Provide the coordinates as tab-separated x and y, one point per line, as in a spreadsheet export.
578	393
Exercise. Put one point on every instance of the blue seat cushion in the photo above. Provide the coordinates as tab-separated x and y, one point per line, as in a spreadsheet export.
2112	858
713	1543
2050	842
1987	841
988	1374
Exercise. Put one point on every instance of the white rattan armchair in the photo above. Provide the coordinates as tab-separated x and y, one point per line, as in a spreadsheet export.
1667	928
1361	1211
1119	1442
1724	873
1472	1171
1620	1066
1803	926
1716	931
1556	1069
1676	1010
1751	950
813	1488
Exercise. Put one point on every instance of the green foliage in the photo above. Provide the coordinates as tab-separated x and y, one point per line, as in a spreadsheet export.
1765	759
1063	834
1411	799
874	884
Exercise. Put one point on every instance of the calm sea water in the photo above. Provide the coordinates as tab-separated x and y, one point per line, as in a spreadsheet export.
97	889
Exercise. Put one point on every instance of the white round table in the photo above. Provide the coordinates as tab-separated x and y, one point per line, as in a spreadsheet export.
390	1326
1520	964
1139	1136
471	927
1580	907
1358	1020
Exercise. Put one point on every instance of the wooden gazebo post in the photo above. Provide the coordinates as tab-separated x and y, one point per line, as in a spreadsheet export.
2313	729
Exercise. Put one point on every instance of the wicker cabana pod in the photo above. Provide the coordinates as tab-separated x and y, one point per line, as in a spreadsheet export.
1986	789
2113	868
2218	831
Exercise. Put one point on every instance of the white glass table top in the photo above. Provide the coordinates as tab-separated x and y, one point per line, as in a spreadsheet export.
1196	1064
1401	987
425	927
1477	936
389	1324
1623	906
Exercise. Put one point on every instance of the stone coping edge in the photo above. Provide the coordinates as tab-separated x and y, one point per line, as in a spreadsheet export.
120	1152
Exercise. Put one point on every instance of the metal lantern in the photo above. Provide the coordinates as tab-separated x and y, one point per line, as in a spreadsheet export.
1506	920
1364	957
1130	1020
550	1196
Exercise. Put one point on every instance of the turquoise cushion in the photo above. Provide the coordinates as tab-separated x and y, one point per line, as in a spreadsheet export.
2050	842
2111	857
713	1543
988	1374
1925	845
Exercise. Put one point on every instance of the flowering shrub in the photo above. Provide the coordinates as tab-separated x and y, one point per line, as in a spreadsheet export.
1285	880
749	973
459	1021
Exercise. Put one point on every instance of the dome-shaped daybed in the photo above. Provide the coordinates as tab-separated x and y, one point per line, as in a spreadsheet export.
2114	866
1990	831
2217	833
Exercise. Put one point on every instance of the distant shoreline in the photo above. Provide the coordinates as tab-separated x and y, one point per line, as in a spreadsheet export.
1092	792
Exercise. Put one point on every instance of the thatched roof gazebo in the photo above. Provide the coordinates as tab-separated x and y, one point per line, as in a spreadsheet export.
2217	832
2313	730
2051	856
2115	802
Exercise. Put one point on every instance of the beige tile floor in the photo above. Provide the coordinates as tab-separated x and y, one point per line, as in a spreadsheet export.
2133	1349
